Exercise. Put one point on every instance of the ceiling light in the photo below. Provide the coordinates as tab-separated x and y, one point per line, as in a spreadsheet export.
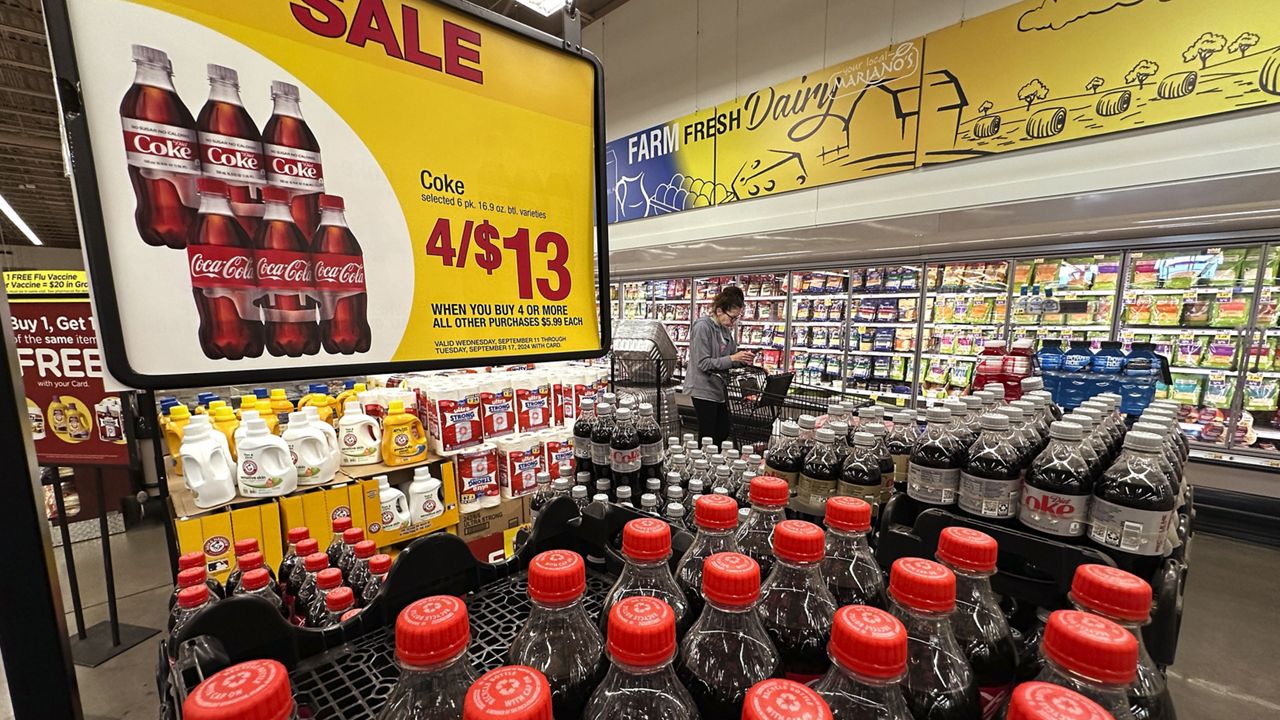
546	7
18	222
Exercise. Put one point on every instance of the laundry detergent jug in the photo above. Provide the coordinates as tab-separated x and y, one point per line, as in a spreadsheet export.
425	501
308	450
359	436
395	506
264	467
208	468
404	440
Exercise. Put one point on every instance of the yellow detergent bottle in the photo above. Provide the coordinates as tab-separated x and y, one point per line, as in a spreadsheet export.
179	416
404	441
226	422
247	402
215	404
347	395
280	405
319	398
264	411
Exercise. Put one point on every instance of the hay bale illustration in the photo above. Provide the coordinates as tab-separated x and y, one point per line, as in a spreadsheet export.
1115	102
1046	123
1177	85
985	127
1269	76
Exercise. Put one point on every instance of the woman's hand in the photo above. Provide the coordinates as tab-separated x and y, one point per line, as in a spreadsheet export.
743	356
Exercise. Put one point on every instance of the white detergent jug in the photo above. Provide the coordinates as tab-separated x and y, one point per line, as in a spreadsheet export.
307	449
330	438
425	501
395	507
359	437
243	429
207	465
206	421
265	468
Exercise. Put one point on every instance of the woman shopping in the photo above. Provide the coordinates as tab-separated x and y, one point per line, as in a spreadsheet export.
712	352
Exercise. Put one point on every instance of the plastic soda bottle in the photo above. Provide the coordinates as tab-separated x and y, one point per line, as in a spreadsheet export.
514	692
768	497
646	546
716	520
1091	655
850	569
432	635
779	699
868	661
795	604
641	684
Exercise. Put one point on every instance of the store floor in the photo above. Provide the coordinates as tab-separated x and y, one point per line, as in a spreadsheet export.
1223	670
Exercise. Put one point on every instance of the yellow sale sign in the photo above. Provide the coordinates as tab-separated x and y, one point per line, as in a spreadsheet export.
285	186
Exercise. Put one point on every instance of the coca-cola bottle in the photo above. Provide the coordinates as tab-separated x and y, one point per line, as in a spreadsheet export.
992	474
327	580
514	692
651	450
795	604
252	689
249	562
196	560
231	146
940	683
360	573
979	624
340	281
849	567
1133	503
786	459
821	472
286	280
337	546
646	547
881	435
583	426
625	459
558	639
1125	599
901	441
221	262
379	568
162	151
351	537
1091	655
242	547
860	476
769	497
432	635
716	520
293	157
727	650
257	583
780	699
291	562
1059	486
191	601
641	684
1044	701
308	588
191	577
868	660
933	472
601	446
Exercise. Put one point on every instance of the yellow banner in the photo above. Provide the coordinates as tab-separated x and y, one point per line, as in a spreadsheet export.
45	282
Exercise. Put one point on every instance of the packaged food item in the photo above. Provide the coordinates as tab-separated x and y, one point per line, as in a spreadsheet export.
994	276
1227	271
1267	306
898	369
960	375
1186	389
1262	394
861	368
819	337
1249	267
887	311
937	372
904	340
1137	310
962	345
880	366
883	340
856	279
1188	351
1195	313
1022	273
1075	273
944	311
1166	311
1221	354
1046	273
1146	273
832	366
875	280
1273	267
893	279
1184	271
867	310
1260	355
1218	392
979	311
910	279
1106	274
867	340
1233	313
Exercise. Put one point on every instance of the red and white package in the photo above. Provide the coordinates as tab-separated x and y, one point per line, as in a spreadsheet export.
457	422
476	470
533	401
497	407
557	447
520	459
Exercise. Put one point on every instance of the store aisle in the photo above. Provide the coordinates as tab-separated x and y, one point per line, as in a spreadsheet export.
1226	633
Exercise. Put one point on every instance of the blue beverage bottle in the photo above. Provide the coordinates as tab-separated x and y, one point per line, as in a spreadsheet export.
1076	386
1142	370
1106	365
1049	357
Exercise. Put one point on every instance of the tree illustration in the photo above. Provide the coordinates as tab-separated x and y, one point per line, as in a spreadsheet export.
1142	72
1244	43
1093	85
1205	47
1033	91
985	108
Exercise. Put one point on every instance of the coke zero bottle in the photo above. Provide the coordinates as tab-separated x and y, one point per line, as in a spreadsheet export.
779	699
795	604
641	684
727	650
432	635
768	508
850	569
646	547
162	151
625	459
514	692
293	157
1044	701
868	660
340	282
716	520
231	146
221	262
1091	655
286	280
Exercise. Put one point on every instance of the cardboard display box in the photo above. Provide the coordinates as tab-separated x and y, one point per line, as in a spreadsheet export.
491	532
317	509
215	535
374	519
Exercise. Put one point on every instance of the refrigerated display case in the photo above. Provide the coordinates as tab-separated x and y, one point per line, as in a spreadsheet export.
883	332
965	304
817	310
1065	298
669	301
763	326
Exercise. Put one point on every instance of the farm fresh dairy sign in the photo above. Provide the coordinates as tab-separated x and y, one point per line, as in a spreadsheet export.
1035	73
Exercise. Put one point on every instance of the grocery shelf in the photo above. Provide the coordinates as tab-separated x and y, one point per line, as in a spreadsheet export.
830	323
1200	371
1234	457
762	322
778	297
883	353
754	346
947	356
1059	328
962	325
860	323
824	351
1233	289
887	296
1175	330
671	301
875	394
360	472
1059	294
969	293
1266	432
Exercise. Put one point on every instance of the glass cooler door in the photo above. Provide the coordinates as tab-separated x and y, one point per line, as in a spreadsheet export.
965	304
819	305
883	332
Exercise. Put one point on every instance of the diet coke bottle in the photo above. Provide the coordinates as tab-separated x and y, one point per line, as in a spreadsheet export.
162	152
231	146
339	272
221	262
286	280
293	157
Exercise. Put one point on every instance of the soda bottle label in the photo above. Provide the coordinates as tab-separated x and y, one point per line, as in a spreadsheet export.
1054	513
651	453
220	267
339	274
813	490
1141	532
625	461
987	497
284	270
932	485
863	492
233	159
156	146
581	449
600	453
294	168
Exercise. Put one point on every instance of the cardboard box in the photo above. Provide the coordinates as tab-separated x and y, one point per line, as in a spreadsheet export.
400	478
215	535
317	509
491	532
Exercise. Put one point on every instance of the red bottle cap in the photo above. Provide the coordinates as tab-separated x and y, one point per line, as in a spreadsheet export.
557	577
298	534
514	692
432	630
253	690
923	585
349	614
784	700
354	535
250	561
1112	592
340	524
1092	646
307	547
275	194
642	631
869	642
1046	701
731	579
379	564
192	577
186	561
328	578
315	562
715	512
646	540
340	599
848	514
968	550
768	491
255	579
798	541
332	202
246	545
193	596
211	186
366	549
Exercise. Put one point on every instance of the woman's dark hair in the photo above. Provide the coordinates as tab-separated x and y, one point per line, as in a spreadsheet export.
729	298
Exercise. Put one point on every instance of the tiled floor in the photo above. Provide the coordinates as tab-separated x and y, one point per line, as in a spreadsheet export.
1225	668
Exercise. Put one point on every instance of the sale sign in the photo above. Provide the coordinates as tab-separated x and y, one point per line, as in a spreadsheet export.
72	420
292	186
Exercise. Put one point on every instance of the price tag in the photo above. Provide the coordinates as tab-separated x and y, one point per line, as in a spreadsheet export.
1126	335
1189	296
1213	251
1217	377
1225	294
1253	377
1137	255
